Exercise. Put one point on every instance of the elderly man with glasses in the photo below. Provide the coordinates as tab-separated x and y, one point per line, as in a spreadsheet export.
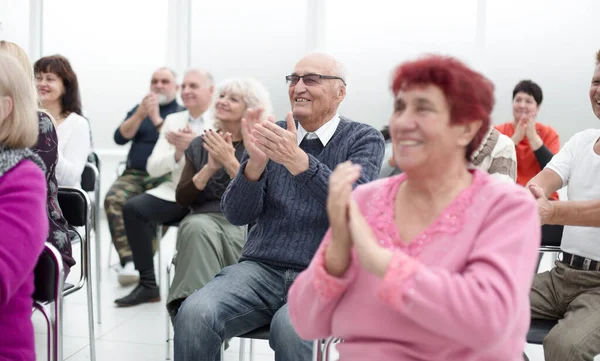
281	188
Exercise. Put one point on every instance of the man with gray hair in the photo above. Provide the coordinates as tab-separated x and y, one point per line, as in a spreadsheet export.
281	188
141	127
142	213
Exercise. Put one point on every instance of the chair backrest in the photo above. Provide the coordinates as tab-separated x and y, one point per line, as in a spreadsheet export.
89	177
94	159
75	206
552	235
48	275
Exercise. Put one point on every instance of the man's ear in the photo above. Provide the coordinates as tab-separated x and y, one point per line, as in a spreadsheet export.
341	93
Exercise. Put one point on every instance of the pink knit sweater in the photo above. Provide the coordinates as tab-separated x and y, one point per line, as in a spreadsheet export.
458	291
23	231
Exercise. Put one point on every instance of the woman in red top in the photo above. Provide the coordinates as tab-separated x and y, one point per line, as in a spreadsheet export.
535	143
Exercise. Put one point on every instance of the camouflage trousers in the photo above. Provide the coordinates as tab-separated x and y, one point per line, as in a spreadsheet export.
131	183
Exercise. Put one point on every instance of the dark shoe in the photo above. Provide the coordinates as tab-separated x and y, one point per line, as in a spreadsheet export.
141	294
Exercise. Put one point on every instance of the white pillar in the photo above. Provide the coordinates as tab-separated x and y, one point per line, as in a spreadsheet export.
179	50
315	25
36	29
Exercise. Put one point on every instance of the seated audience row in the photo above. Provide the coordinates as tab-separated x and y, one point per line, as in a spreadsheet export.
316	229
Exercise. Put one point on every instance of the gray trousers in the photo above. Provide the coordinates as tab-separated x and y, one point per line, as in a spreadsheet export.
573	297
206	243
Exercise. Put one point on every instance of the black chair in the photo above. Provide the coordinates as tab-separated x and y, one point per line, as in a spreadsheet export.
77	210
90	182
47	297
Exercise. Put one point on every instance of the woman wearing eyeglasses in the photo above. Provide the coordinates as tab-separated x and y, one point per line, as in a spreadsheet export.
432	264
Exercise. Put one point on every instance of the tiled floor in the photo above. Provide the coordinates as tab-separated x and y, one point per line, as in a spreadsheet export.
138	333
126	334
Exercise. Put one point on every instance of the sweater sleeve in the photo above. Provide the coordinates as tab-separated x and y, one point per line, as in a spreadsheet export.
368	148
119	138
72	159
24	225
543	156
504	160
477	305
243	200
186	191
46	147
314	296
162	160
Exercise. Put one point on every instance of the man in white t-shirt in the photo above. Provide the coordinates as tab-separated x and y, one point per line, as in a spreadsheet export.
570	292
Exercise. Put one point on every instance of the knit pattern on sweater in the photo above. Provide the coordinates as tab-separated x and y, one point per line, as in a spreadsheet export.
290	211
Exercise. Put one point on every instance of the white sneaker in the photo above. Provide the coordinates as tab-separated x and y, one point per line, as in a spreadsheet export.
128	275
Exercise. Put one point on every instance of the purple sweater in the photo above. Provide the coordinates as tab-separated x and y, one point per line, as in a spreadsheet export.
24	229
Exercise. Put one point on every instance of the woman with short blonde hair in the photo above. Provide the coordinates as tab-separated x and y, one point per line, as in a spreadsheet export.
19	128
23	219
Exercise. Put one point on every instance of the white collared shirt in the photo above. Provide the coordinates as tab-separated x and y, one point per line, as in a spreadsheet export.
324	133
198	125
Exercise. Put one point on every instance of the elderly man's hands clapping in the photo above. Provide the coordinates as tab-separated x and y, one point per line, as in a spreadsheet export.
281	145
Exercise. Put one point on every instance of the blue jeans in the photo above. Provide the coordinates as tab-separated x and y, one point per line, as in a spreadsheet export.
240	299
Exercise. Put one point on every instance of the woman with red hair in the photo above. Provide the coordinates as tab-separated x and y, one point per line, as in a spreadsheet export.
435	263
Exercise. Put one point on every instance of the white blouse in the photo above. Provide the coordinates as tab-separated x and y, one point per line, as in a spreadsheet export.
74	146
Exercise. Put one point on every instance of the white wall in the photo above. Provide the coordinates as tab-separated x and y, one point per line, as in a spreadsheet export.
14	16
261	38
552	42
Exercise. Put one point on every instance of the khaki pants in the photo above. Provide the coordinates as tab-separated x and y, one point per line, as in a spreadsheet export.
573	297
206	243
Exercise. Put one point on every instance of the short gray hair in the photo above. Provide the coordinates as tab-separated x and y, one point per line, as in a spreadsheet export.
210	81
252	92
169	70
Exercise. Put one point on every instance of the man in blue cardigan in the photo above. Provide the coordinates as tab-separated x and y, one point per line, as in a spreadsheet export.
281	188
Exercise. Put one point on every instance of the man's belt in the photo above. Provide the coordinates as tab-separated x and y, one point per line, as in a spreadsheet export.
581	263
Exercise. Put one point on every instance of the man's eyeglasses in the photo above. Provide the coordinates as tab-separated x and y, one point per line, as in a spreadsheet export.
310	79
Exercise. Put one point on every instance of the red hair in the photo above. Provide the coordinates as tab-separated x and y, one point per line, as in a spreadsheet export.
469	94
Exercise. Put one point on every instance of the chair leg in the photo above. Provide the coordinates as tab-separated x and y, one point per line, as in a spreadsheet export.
242	348
168	316
251	350
223	351
109	254
159	236
90	300
317	351
98	252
